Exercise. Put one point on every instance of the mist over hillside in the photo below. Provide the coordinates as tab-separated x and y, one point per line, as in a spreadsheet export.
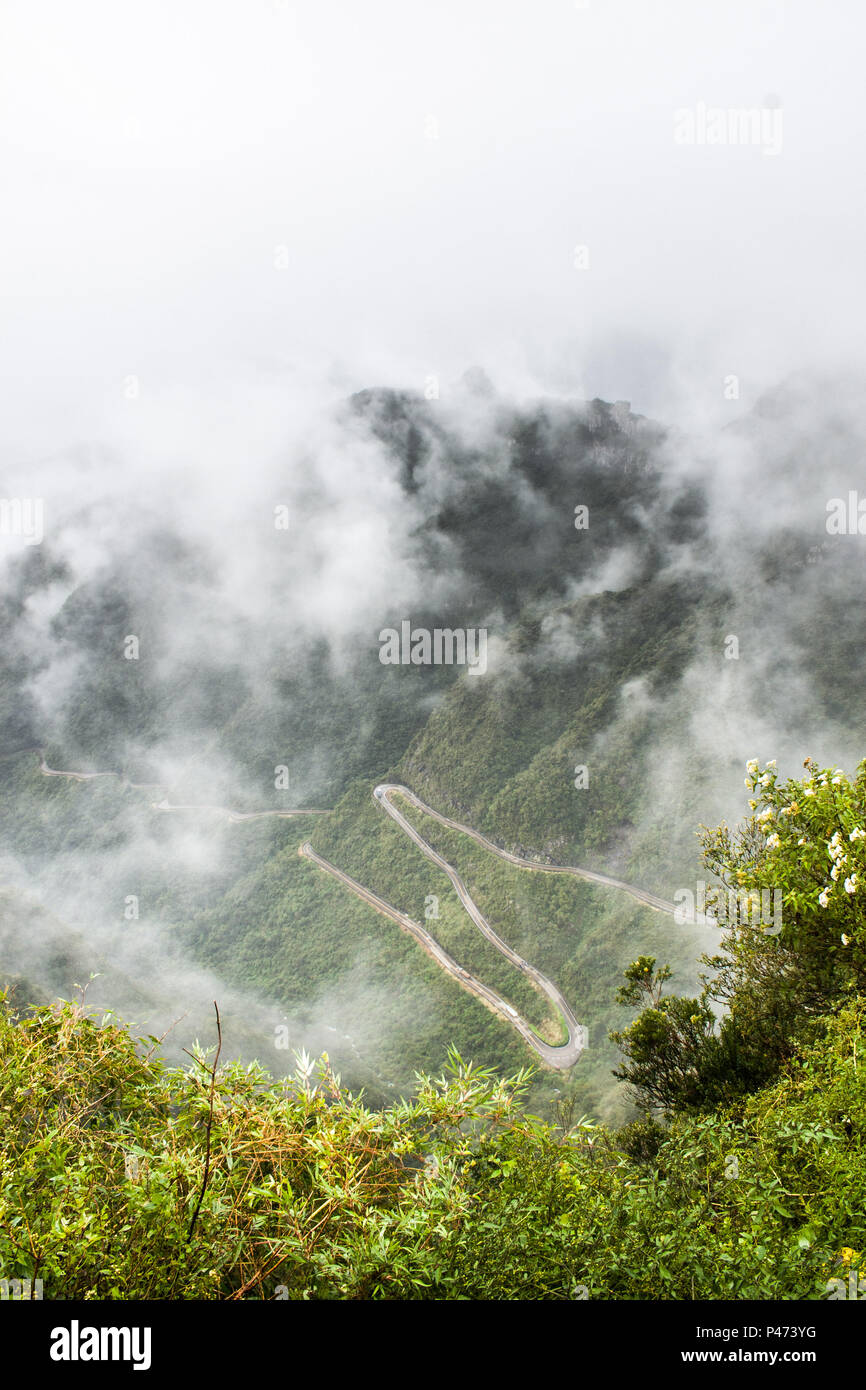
432	667
658	644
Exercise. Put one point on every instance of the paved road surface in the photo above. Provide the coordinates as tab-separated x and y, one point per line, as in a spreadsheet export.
559	1057
562	1057
651	899
165	805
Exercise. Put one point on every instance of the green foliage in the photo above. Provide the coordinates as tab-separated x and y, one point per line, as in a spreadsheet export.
455	1194
806	839
643	982
775	979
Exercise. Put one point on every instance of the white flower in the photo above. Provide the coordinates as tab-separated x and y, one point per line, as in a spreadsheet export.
771	763
809	791
835	781
857	834
850	883
748	784
752	766
801	841
766	780
846	940
824	898
834	872
766	815
773	842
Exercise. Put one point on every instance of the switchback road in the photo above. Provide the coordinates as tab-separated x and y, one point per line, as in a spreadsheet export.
560	1057
650	899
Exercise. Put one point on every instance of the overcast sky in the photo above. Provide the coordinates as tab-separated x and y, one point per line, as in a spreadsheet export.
219	216
216	195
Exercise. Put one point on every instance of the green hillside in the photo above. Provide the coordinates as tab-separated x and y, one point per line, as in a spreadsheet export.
607	668
743	1178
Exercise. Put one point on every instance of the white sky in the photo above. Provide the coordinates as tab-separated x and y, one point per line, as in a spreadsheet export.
154	156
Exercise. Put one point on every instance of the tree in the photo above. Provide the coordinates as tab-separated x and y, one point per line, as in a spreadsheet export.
803	847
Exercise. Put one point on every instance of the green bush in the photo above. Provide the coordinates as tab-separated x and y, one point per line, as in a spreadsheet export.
305	1193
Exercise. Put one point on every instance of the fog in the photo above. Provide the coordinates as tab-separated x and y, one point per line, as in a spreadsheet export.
423	176
223	220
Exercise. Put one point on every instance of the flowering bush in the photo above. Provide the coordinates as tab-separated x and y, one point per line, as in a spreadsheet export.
807	838
805	841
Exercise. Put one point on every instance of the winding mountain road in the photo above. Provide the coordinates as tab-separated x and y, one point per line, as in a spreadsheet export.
567	1054
165	805
382	793
235	816
561	1057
